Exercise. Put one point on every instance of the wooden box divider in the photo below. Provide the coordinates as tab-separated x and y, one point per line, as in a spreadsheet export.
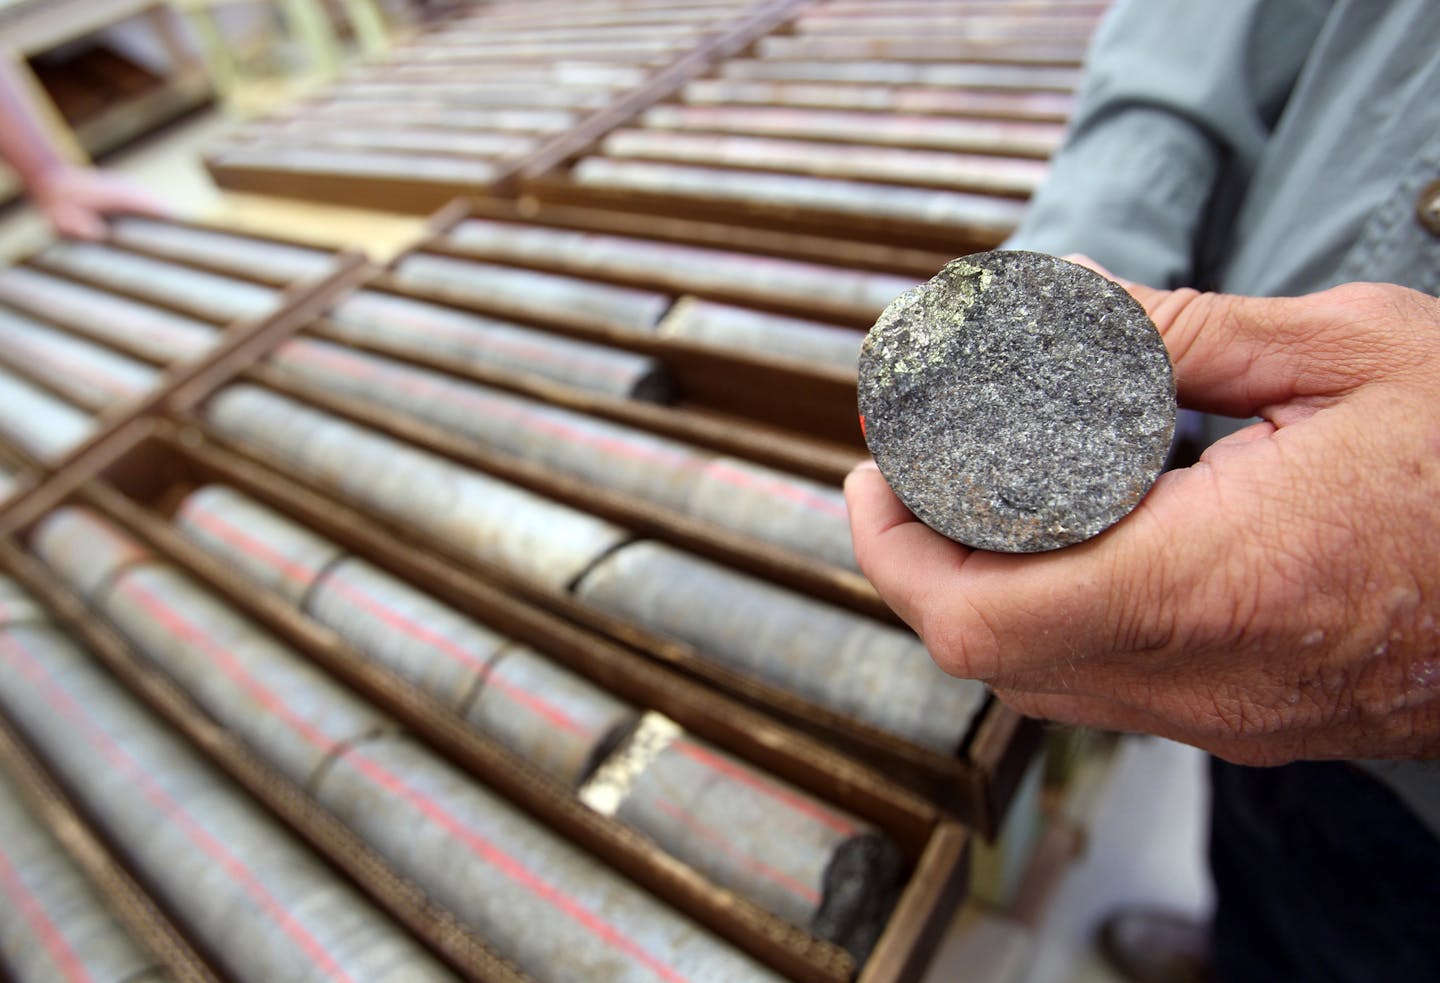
24	470
782	242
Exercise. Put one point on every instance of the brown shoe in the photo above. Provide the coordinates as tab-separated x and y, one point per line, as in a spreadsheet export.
1155	945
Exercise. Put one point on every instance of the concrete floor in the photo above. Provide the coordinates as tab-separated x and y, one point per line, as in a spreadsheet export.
1146	828
1147	845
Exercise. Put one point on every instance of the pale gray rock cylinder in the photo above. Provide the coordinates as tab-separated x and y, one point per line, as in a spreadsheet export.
85	551
516	530
90	374
420	328
158	333
282	706
985	214
557	913
743	329
621	309
553	718
260	544
802	859
155	279
848	663
279	704
785	509
419	639
235	253
679	267
39	423
557	720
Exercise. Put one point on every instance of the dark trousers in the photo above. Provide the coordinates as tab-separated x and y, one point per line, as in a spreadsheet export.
1322	873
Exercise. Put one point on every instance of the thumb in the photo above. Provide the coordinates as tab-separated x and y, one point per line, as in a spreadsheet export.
1239	355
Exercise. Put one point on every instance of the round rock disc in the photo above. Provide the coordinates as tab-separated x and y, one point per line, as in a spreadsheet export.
1017	402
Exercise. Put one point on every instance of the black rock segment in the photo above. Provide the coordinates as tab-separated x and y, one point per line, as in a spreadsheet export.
1017	402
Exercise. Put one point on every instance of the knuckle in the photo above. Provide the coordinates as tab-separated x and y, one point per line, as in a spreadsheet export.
864	552
961	645
1361	327
1181	315
1143	605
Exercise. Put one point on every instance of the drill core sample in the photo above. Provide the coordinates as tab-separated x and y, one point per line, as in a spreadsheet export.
812	864
1017	402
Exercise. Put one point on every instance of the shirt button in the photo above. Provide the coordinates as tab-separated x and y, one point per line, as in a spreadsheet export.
1427	208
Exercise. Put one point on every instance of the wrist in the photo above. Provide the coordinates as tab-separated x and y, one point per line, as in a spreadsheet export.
47	180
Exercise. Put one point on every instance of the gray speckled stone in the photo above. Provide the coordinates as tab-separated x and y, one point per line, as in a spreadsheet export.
1017	402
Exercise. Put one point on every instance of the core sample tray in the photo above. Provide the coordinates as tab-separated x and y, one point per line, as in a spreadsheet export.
924	124
392	625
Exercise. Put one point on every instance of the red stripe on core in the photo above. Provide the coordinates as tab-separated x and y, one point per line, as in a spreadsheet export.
537	704
256	547
516	871
716	839
376	772
34	671
235	536
745	776
361	369
18	893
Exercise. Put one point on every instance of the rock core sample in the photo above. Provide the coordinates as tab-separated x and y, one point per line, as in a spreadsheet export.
1017	402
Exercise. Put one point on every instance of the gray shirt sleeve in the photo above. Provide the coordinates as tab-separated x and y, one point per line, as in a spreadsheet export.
1178	102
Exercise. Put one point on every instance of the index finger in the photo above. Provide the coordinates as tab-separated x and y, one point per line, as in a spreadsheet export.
984	614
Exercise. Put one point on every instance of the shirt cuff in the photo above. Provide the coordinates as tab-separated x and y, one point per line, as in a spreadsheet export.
1129	190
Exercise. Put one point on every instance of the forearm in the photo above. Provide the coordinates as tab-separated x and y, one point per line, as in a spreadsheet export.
1129	192
75	198
25	142
1178	103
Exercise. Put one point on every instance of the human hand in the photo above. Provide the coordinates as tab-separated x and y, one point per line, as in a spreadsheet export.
1278	600
77	199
